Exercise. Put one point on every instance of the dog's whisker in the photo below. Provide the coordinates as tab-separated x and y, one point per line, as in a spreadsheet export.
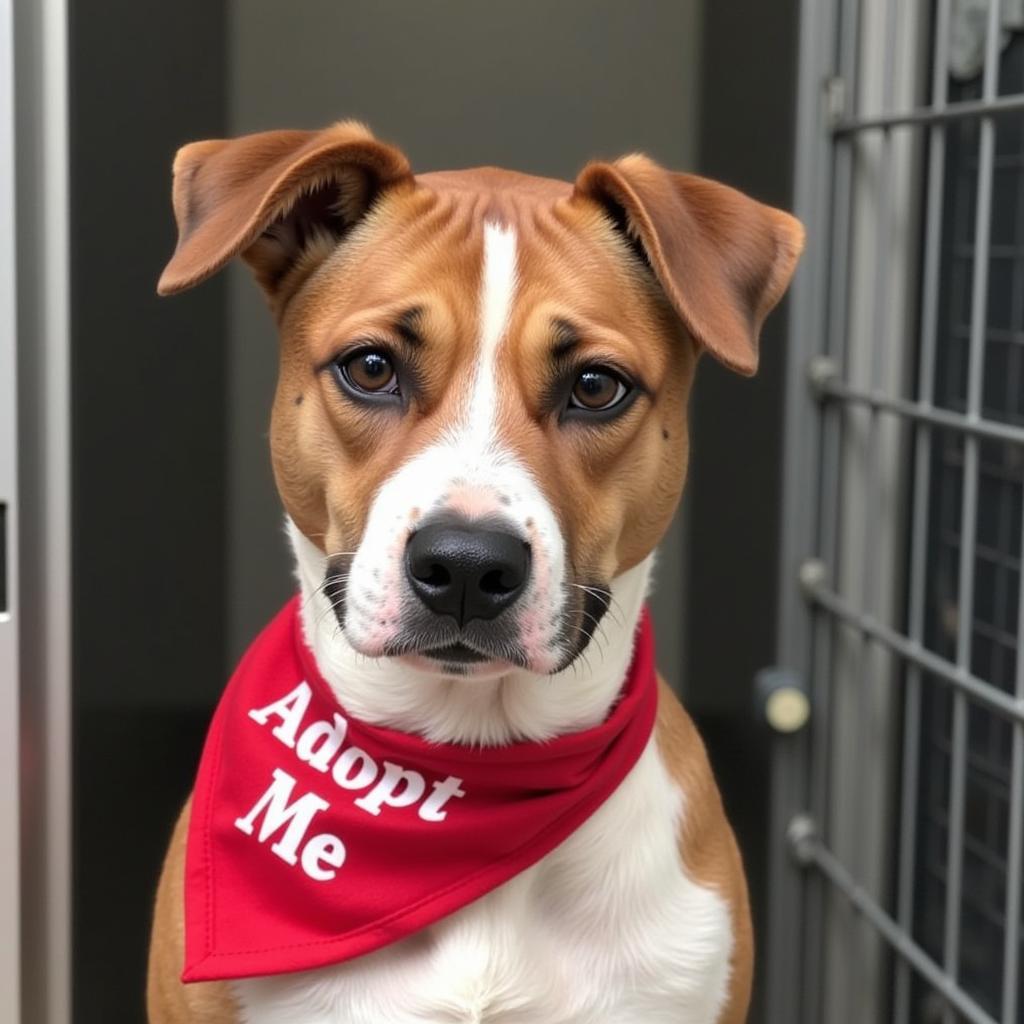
612	606
326	581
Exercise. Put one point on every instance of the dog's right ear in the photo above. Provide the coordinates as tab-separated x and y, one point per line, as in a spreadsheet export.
273	198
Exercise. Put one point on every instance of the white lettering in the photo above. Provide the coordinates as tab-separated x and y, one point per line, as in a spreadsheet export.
431	808
330	735
321	745
342	770
290	709
321	850
279	813
387	792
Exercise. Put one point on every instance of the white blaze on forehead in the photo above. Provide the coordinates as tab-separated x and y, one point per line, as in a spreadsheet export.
497	291
468	472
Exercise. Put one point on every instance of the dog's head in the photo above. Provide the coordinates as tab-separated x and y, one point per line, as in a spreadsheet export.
480	418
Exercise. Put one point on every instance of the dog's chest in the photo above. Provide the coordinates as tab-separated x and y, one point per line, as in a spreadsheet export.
606	928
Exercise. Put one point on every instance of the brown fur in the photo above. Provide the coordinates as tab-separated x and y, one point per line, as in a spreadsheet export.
168	1001
412	252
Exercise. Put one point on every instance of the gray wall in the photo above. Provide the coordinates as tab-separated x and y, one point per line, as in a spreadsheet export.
147	373
746	139
527	84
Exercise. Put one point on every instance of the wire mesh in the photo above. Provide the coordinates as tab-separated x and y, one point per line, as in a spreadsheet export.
952	920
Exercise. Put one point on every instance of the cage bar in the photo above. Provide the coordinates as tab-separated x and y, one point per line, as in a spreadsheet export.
998	106
969	506
816	853
1015	841
971	686
922	411
907	848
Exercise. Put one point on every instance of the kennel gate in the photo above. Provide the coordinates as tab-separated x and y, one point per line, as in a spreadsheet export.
898	810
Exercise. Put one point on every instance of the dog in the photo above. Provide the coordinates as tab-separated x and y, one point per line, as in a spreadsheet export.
479	436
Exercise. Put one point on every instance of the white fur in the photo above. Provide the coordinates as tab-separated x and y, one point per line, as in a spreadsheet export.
606	929
497	294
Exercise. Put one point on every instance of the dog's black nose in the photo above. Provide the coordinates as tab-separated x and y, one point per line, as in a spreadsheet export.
465	571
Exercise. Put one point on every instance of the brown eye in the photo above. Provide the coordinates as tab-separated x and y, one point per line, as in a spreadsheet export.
597	389
372	372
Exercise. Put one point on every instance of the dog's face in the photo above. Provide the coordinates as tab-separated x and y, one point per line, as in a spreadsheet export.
481	410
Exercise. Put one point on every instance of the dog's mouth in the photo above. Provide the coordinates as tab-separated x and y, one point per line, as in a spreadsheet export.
431	642
457	651
456	654
457	659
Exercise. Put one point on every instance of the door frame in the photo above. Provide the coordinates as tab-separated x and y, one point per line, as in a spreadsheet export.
41	618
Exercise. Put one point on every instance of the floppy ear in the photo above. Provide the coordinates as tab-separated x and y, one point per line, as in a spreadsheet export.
722	258
273	197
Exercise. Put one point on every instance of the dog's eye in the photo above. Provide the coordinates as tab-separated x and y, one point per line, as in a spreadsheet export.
370	371
597	389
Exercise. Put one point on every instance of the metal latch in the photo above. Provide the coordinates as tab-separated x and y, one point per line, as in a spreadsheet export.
782	699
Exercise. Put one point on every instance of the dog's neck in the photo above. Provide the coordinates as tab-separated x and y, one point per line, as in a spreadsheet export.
517	705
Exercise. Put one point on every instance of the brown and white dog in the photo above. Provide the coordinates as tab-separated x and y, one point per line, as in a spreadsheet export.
485	347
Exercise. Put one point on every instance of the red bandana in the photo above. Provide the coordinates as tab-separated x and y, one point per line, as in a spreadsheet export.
316	838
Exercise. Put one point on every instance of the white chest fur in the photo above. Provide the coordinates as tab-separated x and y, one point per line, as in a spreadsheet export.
607	929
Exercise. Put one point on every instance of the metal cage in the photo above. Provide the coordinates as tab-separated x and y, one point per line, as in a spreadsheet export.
898	812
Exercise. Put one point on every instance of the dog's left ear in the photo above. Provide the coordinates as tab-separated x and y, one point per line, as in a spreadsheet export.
276	198
722	258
